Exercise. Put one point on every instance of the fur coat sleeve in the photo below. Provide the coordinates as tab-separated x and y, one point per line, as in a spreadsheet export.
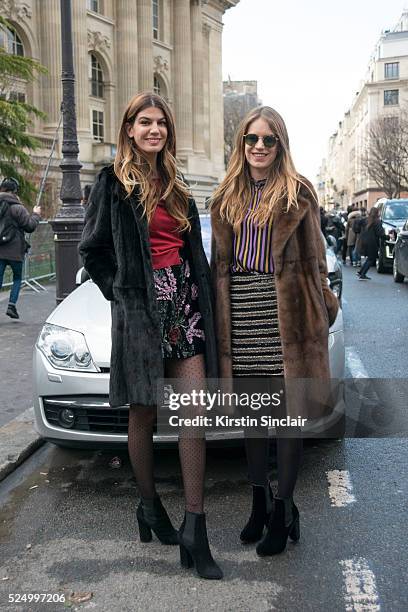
96	247
331	301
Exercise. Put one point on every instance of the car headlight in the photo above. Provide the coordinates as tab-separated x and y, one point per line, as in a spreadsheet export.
65	349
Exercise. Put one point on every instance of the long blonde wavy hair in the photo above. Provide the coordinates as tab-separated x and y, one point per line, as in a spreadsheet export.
133	169
282	184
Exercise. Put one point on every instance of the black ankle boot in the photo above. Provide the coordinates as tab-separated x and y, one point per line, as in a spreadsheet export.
194	547
261	509
283	523
152	516
12	312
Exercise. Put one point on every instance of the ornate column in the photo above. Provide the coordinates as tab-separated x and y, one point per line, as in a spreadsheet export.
206	88
182	71
145	42
81	59
216	99
197	76
50	24
126	53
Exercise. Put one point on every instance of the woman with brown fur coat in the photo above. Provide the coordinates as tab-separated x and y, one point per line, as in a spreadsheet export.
273	303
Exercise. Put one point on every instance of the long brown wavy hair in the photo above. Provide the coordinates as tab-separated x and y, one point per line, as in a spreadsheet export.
133	169
373	216
283	182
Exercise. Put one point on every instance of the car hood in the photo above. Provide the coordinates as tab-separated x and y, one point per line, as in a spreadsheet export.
398	223
86	310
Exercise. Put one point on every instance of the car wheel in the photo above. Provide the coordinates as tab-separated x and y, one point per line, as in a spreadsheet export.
380	263
398	278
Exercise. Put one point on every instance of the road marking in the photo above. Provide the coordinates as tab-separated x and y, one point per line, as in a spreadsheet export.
354	363
340	488
360	586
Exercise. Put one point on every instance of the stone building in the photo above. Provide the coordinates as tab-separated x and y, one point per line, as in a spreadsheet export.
239	98
121	47
343	178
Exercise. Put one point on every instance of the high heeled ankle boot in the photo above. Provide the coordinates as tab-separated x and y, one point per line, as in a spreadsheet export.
194	547
261	509
152	516
283	523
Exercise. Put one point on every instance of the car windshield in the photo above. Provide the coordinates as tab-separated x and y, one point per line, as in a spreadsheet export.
206	233
396	210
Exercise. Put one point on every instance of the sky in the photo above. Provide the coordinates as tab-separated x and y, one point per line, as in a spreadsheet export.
309	57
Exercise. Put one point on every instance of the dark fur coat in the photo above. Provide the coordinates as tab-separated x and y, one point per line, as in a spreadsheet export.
306	305
116	254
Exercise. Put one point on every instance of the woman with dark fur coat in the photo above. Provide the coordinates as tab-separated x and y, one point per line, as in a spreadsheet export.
142	246
273	304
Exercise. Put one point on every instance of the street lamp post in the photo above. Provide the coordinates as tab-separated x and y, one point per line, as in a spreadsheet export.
69	220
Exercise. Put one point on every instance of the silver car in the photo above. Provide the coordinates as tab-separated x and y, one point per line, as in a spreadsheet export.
71	369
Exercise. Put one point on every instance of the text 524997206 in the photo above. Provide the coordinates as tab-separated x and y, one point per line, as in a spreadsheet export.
36	597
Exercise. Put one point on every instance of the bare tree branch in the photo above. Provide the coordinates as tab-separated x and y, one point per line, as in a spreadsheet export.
386	155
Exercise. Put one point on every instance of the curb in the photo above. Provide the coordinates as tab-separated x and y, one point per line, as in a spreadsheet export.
18	440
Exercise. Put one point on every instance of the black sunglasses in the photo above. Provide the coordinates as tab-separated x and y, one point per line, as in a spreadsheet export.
268	141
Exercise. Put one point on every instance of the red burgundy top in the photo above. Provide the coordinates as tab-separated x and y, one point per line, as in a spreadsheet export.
165	239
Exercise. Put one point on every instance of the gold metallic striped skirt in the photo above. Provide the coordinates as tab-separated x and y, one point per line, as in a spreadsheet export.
255	337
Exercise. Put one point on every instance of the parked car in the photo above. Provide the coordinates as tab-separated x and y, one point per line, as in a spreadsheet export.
400	262
72	359
393	214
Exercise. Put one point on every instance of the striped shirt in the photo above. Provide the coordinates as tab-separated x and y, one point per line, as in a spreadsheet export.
252	250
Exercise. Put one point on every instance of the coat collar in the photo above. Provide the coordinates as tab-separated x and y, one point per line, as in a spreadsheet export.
284	225
9	197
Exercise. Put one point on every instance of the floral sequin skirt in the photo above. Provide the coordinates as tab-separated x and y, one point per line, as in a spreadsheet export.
180	318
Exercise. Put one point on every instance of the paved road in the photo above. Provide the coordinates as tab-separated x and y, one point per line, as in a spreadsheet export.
79	525
17	338
376	323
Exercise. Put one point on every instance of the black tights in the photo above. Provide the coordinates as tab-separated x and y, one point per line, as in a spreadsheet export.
191	449
289	456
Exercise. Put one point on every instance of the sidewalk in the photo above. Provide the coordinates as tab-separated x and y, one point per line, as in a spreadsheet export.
17	338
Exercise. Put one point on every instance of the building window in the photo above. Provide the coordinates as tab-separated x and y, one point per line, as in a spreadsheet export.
96	76
391	70
17	96
155	7
11	42
97	125
391	97
156	86
95	6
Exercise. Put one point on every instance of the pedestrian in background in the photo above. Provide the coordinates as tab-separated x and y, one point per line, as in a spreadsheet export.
350	235
370	242
335	228
323	220
273	302
344	217
142	246
15	220
85	195
359	225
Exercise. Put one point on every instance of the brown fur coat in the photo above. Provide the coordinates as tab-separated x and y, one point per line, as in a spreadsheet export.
306	305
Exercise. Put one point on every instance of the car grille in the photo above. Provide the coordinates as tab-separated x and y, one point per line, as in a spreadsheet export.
92	414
